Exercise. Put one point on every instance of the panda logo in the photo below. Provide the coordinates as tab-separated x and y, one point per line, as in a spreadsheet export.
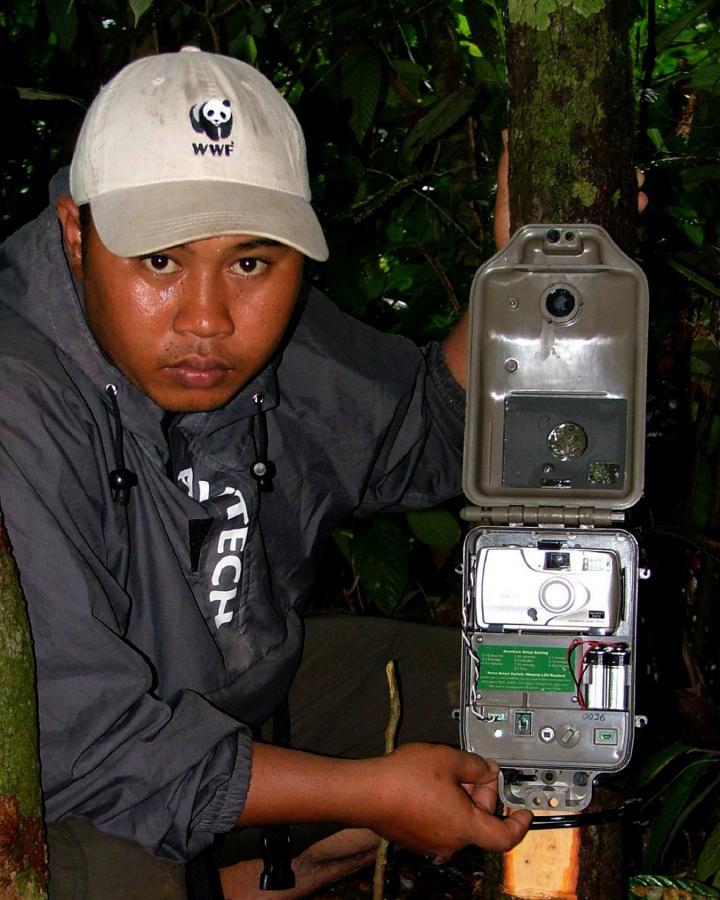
212	118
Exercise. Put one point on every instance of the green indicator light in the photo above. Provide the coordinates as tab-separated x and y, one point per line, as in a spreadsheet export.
523	723
606	736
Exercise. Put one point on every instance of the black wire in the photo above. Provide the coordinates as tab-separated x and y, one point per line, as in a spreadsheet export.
633	807
583	820
682	535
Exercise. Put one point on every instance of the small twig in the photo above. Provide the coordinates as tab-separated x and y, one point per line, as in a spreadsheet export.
211	26
390	737
225	10
442	276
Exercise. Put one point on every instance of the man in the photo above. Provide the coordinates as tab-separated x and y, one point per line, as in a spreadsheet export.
182	421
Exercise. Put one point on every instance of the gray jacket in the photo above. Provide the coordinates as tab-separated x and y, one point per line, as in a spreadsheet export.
165	629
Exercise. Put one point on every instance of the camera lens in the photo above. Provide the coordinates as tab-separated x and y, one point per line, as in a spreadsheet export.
560	303
553	235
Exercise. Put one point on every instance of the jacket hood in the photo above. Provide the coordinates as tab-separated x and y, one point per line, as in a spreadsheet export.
37	284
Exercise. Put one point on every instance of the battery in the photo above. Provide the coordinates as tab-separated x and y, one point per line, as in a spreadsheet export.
594	678
606	677
616	677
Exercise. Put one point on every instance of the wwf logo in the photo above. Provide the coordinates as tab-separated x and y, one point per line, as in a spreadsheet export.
212	118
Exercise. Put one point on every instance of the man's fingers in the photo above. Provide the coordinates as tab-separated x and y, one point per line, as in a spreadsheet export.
642	198
475	769
483	795
504	834
517	824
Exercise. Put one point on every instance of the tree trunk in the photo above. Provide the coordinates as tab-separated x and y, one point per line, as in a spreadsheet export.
23	874
571	115
571	146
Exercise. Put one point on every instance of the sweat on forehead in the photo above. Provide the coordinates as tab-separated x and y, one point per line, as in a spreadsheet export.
184	146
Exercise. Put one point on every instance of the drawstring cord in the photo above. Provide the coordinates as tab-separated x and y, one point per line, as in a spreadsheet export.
121	478
277	873
263	471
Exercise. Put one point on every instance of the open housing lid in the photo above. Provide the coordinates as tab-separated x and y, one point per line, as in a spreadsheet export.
555	415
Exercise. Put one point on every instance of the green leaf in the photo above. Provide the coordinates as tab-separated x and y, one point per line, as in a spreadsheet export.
371	204
689	886
343	539
32	94
658	761
411	75
708	863
705	78
694	276
63	18
713	439
441	116
704	359
698	175
676	808
703	493
695	232
361	82
482	32
139	7
438	528
671	31
380	556
656	137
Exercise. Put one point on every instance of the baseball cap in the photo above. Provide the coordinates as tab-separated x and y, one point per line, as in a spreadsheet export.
183	146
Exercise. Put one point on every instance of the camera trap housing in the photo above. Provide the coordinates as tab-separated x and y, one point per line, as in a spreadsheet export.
554	454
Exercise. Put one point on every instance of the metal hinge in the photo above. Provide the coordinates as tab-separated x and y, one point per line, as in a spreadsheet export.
555	516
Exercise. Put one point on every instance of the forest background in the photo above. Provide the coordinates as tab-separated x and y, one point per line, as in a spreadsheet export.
403	103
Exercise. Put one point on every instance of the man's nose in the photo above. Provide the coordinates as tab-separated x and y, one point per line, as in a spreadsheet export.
204	308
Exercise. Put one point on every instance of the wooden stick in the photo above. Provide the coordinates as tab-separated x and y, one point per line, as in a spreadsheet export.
390	738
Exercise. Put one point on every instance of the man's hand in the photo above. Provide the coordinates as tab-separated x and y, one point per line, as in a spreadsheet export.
426	797
435	799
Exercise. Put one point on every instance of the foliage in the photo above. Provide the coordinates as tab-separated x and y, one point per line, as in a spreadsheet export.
380	553
401	110
695	776
403	103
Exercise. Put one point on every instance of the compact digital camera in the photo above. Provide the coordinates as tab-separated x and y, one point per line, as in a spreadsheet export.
549	590
554	455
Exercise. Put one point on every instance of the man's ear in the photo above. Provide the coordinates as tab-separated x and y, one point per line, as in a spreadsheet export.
69	216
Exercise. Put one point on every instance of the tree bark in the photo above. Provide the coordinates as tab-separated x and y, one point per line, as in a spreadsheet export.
23	873
571	114
571	146
562	864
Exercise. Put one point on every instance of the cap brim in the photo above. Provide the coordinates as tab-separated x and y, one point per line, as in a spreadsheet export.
146	219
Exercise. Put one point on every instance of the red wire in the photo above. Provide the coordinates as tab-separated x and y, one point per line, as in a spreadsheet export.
591	645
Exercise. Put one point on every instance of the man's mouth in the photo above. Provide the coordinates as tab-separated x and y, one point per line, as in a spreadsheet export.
199	371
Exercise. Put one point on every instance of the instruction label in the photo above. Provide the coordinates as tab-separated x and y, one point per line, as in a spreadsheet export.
523	669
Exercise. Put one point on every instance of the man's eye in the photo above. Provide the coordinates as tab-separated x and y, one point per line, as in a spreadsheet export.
158	262
250	265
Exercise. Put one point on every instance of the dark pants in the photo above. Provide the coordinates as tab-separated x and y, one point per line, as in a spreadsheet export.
339	706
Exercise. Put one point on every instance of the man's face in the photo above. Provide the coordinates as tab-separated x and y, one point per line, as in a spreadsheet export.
192	324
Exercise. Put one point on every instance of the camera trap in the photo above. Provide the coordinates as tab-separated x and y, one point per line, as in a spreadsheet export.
554	453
